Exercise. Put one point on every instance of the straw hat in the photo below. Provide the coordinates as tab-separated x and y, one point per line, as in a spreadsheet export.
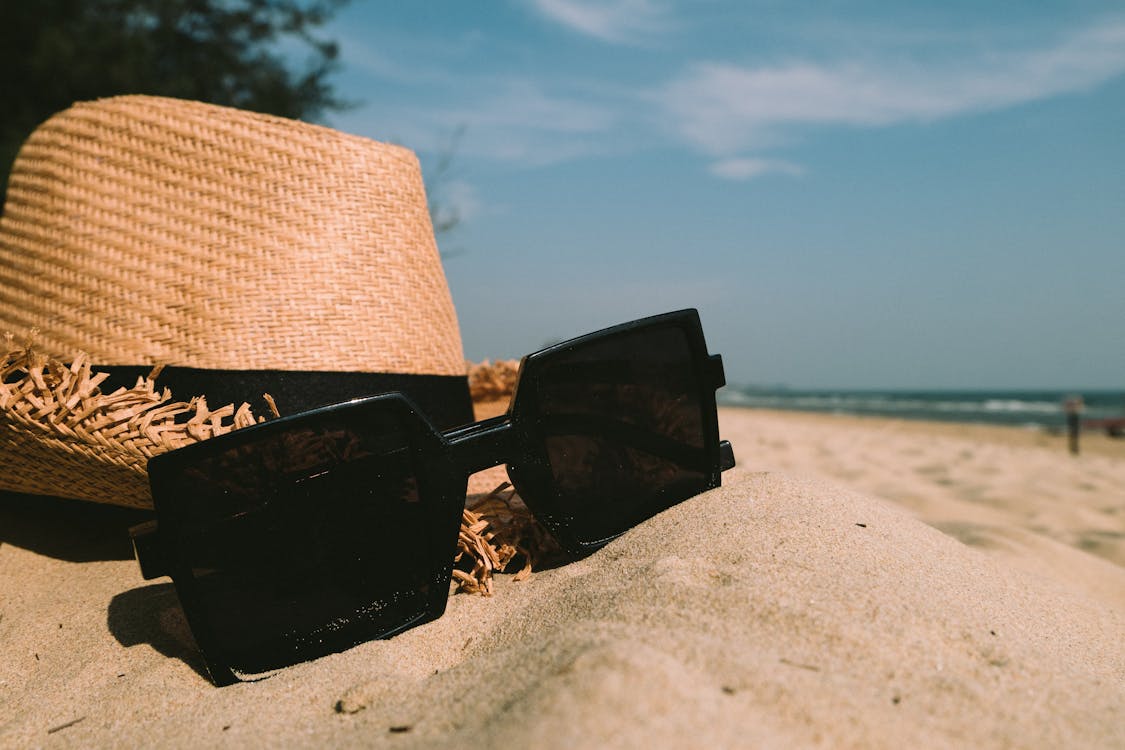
246	254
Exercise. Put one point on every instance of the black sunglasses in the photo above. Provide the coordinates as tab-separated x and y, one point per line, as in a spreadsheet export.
267	532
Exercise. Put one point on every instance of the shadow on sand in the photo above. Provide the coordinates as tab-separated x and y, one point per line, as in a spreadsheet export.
152	615
71	530
77	531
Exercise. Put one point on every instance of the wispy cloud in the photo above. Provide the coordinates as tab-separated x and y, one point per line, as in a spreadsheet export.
723	108
519	121
748	168
520	102
509	119
614	21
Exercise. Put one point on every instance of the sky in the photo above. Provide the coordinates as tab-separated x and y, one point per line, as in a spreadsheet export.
853	194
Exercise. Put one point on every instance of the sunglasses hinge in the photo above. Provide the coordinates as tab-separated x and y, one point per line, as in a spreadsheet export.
718	375
481	445
148	550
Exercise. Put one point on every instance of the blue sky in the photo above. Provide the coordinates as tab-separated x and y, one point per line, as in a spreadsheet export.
854	195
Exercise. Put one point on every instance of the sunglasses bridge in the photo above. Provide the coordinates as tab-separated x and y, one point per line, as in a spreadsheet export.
482	445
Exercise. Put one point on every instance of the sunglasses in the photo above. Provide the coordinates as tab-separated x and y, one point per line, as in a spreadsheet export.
269	532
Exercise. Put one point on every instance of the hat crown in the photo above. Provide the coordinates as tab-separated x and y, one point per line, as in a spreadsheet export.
149	230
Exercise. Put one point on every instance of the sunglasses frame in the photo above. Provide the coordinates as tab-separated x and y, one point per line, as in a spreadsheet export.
445	460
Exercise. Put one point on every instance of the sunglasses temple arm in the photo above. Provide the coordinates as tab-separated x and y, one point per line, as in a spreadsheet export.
718	380
148	551
726	455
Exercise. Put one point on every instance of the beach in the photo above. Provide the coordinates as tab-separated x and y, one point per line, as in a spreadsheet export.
855	582
1007	491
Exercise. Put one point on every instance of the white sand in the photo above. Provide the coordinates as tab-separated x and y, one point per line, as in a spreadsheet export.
776	611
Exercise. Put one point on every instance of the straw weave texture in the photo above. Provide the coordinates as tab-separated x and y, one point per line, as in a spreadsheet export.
144	230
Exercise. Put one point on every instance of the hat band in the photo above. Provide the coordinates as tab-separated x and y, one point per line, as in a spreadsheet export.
443	398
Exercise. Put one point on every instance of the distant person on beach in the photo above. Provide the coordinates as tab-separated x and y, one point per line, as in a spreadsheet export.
1073	407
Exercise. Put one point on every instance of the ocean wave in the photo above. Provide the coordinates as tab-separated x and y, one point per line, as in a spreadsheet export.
1011	408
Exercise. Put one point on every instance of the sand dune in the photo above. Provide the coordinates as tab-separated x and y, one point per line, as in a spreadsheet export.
791	607
1009	491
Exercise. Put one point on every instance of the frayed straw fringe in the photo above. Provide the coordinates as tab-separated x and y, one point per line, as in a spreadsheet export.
56	425
52	414
495	532
491	381
66	401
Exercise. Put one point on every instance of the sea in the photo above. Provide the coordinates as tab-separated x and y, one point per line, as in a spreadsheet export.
1034	409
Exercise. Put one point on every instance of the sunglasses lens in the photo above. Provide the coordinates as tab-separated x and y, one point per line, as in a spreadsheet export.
308	540
622	422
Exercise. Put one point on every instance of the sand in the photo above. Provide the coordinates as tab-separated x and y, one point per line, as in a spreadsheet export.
854	583
1010	492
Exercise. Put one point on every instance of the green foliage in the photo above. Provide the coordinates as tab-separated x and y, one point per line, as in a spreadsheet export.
56	52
